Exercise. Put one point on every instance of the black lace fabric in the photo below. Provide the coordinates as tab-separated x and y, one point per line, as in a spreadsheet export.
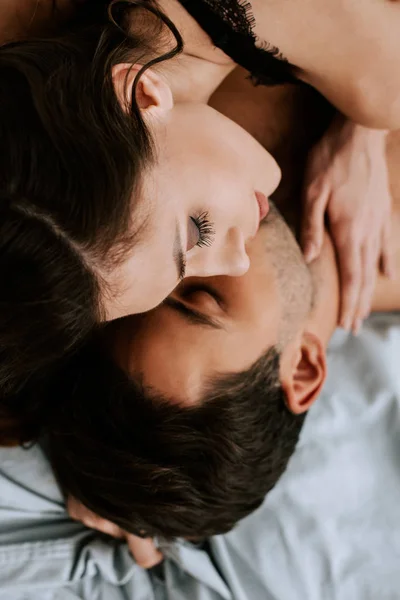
235	13
230	25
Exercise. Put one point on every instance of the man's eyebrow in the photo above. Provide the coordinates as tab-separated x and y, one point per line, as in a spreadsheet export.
179	254
193	316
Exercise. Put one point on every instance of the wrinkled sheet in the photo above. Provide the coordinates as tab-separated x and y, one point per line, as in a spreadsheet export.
329	530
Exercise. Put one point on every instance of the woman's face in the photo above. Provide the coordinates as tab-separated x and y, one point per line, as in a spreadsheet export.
201	202
347	49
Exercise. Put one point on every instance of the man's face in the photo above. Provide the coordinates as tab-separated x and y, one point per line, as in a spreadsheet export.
220	325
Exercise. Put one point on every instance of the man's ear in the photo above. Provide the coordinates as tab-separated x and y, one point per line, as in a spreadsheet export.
153	94
304	373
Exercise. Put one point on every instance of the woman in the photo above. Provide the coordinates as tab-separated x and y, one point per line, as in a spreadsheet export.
117	182
67	316
345	142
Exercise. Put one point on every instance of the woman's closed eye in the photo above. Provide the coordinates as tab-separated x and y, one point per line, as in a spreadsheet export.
201	231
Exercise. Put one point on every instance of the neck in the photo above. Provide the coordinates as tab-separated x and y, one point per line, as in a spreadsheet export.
324	315
387	291
201	68
194	79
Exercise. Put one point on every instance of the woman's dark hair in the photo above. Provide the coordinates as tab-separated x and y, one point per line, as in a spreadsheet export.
70	172
150	464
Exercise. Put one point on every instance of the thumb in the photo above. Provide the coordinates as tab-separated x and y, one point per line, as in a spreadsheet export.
316	198
144	551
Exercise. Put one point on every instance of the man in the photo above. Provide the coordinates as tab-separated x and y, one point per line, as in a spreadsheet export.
204	433
194	445
329	529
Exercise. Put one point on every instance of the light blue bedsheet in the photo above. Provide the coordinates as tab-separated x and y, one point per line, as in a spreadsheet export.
330	530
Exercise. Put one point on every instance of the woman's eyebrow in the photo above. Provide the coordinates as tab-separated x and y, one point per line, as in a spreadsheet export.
192	316
179	254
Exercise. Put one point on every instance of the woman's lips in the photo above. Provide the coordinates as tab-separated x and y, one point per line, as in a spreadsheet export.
263	204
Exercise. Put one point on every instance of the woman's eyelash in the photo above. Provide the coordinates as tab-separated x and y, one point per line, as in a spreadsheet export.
206	229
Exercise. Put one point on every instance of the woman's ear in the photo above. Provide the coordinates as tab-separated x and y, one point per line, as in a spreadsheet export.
303	376
153	94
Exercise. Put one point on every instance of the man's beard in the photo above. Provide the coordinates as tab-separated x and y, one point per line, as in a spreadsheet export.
296	285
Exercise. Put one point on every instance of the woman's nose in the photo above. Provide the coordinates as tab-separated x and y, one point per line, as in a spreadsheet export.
228	258
234	259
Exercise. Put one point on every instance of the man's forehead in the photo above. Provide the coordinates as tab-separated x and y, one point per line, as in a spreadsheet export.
168	357
180	361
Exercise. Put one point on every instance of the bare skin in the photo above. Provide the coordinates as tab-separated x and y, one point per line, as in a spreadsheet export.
253	108
249	104
346	171
348	50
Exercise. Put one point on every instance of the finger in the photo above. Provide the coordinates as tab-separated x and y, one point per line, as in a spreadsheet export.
106	527
387	262
78	512
312	229
103	526
370	255
144	551
349	259
73	508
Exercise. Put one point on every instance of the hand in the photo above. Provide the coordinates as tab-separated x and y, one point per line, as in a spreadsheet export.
143	550
347	179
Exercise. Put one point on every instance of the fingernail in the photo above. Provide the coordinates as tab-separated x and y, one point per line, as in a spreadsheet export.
311	252
346	323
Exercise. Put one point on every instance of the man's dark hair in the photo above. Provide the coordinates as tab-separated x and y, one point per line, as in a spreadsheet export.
71	170
151	465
